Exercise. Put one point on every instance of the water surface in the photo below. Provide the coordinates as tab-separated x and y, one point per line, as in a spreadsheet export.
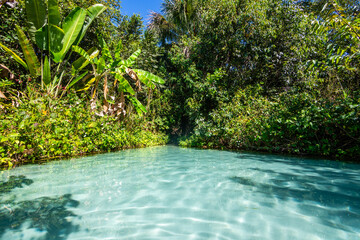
174	193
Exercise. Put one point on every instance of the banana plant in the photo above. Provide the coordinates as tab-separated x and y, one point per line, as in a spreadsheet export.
108	65
31	62
53	36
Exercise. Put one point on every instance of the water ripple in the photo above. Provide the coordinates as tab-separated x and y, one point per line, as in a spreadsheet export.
175	193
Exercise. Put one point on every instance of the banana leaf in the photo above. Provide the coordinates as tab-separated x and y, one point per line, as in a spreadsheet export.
105	51
30	57
15	56
54	14
100	66
83	53
46	72
36	15
56	35
138	105
72	26
88	84
92	12
147	75
118	49
82	62
73	82
124	85
131	60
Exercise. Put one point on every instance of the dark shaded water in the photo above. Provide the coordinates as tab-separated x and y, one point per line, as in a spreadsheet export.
174	193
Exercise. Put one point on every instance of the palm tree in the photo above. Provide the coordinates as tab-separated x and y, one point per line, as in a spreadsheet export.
164	30
178	17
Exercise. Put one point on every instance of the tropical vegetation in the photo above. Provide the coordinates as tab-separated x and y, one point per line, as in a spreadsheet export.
42	116
267	75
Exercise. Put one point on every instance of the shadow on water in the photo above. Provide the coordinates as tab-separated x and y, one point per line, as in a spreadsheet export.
324	191
14	182
46	215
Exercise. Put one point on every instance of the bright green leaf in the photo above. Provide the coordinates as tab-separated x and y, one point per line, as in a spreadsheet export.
73	82
72	26
92	13
46	72
82	62
29	54
14	55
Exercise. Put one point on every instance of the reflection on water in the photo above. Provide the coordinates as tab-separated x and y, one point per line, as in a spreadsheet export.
174	193
48	216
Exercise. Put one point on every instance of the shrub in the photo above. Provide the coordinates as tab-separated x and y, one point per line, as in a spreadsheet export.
292	122
42	127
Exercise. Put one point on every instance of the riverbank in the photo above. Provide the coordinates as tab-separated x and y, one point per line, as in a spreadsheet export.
40	128
297	123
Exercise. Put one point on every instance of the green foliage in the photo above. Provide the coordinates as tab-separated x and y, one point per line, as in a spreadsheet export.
72	25
36	125
33	64
280	76
8	37
36	15
106	66
56	39
45	128
339	29
293	122
267	45
179	18
245	43
14	56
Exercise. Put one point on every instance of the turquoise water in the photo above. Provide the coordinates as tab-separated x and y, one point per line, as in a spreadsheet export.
174	193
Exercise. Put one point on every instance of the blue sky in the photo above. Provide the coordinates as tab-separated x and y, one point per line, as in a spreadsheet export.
142	7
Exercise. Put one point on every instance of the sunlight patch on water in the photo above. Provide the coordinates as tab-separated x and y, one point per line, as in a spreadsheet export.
175	193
